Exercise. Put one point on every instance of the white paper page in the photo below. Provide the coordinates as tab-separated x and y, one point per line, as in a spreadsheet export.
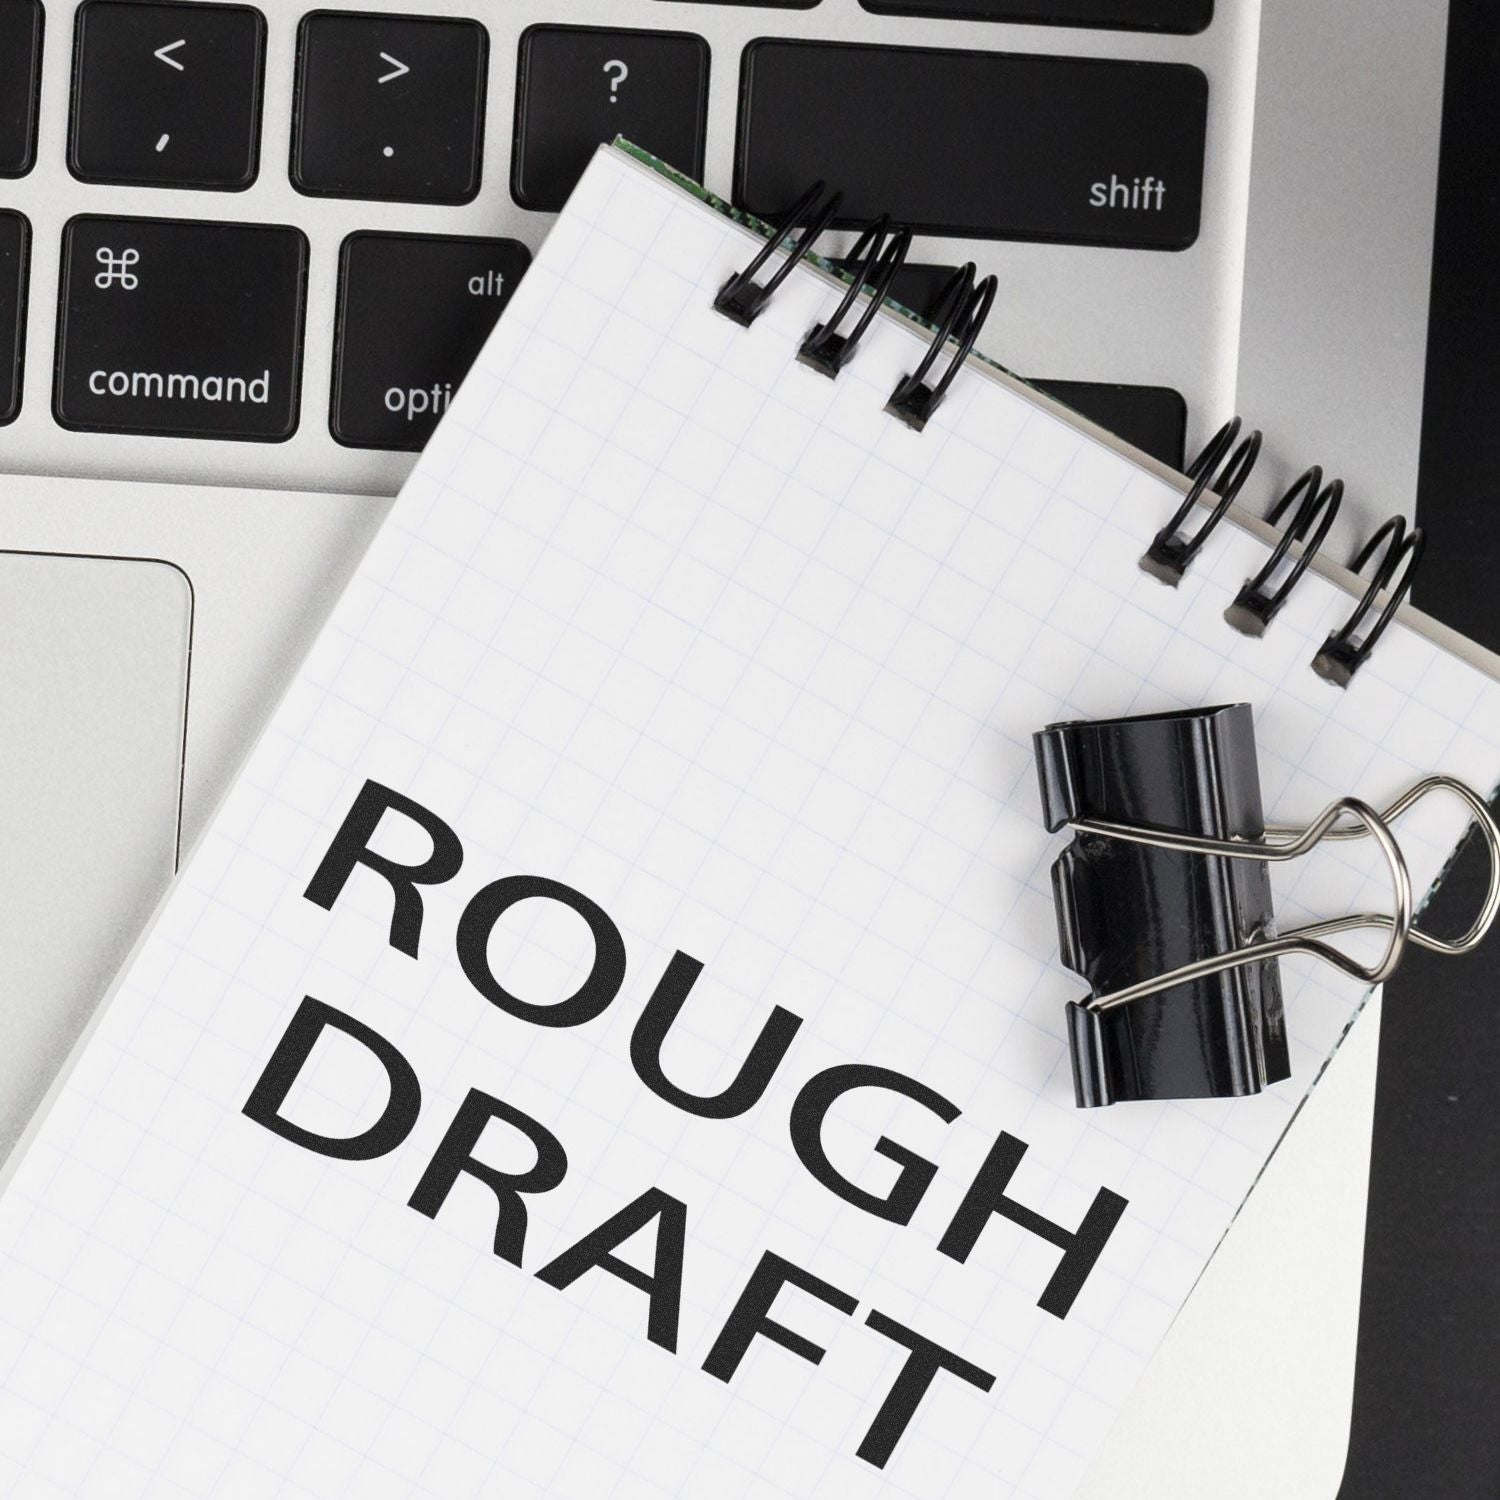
710	639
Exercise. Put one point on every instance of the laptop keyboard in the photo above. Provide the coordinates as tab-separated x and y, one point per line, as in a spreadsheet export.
204	328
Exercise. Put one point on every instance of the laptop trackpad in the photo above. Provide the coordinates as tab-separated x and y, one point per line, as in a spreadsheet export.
93	682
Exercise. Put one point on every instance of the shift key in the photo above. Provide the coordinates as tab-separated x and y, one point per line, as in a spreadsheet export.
1088	151
180	328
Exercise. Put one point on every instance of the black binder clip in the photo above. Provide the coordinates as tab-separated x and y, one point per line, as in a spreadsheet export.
1164	901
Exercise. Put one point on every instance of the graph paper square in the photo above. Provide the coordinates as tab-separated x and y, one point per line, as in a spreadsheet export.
666	617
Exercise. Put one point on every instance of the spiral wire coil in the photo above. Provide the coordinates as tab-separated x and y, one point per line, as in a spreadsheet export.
1394	549
877	257
1217	474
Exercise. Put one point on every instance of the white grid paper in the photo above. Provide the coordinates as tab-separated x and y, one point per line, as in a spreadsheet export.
665	616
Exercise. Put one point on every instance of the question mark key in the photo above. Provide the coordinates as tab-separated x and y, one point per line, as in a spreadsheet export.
581	86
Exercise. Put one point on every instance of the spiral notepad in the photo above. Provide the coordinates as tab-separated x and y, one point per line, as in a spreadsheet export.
694	1116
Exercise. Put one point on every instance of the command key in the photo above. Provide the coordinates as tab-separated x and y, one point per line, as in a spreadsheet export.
180	328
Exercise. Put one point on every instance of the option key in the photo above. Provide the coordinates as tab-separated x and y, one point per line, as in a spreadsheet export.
413	312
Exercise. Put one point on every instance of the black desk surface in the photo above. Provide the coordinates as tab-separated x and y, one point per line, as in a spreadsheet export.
1426	1415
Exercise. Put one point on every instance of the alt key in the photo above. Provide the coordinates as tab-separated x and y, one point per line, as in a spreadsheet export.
414	311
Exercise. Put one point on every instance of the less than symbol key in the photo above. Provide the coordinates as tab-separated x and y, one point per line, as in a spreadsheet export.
168	95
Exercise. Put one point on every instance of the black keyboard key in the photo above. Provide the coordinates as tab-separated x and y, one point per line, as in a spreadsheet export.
995	145
15	239
20	77
1123	15
581	85
167	95
389	107
414	310
1152	418
916	286
180	328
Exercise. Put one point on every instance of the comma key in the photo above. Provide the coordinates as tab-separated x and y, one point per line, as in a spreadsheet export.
414	310
167	95
180	328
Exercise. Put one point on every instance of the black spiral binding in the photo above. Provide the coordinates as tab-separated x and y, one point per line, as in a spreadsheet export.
1400	550
1256	605
1345	650
878	255
961	313
1221	469
1171	551
742	297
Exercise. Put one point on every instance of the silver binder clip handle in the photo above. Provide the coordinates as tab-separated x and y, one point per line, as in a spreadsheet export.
1366	823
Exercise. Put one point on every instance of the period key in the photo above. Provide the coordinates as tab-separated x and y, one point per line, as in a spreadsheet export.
413	312
180	328
389	107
